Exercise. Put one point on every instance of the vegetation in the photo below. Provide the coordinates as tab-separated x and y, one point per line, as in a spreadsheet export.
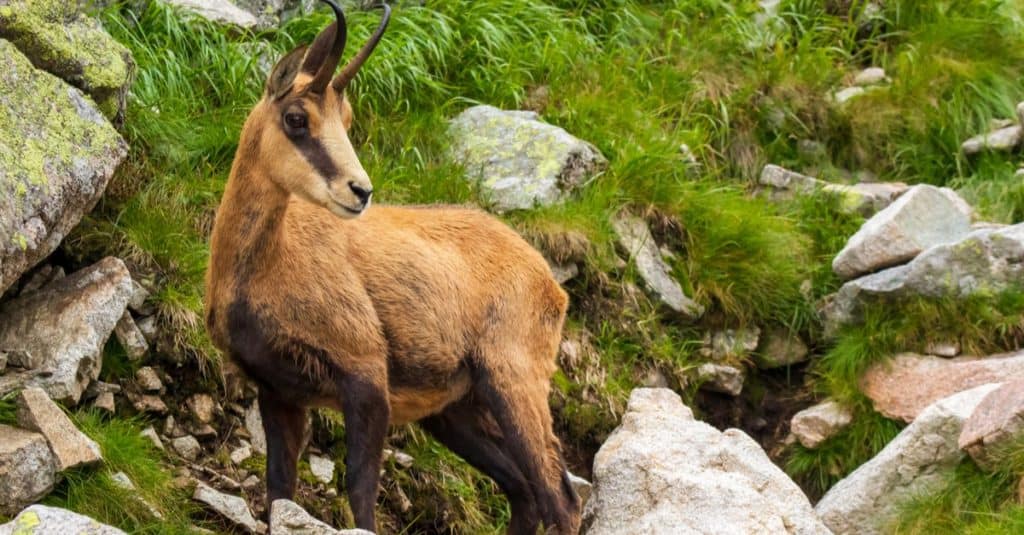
637	78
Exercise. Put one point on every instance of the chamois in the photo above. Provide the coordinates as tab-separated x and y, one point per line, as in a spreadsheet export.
440	315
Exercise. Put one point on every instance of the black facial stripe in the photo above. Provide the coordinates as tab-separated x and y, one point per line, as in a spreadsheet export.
316	154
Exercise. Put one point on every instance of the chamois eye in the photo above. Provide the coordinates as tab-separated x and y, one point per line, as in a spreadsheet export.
296	122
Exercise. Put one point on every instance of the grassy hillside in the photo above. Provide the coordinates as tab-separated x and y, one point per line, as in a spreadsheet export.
637	79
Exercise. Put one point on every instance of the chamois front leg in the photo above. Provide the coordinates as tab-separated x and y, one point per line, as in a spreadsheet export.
285	427
364	402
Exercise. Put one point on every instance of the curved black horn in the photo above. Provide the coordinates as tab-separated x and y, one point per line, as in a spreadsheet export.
349	72
325	53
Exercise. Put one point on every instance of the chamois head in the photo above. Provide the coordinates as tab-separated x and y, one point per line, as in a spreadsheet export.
305	117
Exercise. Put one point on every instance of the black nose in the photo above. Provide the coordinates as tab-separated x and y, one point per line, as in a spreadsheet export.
361	193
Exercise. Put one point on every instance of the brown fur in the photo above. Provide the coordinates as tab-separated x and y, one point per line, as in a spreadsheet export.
417	307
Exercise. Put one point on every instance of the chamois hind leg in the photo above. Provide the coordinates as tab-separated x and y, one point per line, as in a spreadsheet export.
516	394
284	425
467	428
365	407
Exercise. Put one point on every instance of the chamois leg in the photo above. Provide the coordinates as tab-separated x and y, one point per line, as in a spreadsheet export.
468	429
518	400
285	427
367	413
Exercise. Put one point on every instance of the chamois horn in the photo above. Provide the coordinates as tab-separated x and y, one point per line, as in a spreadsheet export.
349	72
325	53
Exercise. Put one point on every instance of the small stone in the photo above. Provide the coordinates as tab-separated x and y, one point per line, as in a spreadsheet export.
731	344
845	95
233	508
122	480
251	482
149	403
582	487
204	431
636	239
995	426
131	338
202	406
721	378
70	447
779	348
187	446
3	361
943	349
147	326
105	402
148	379
1003	139
28	469
322	468
137	301
816	424
400	457
254	424
288	518
241	453
871	76
153	437
563	273
219	11
99	387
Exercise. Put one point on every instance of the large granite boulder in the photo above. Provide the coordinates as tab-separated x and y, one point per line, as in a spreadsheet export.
28	469
57	153
518	160
922	217
56	334
636	240
917	462
663	472
988	260
43	519
59	39
996	425
218	11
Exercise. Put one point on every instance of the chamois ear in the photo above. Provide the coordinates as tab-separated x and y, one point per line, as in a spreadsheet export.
280	81
346	112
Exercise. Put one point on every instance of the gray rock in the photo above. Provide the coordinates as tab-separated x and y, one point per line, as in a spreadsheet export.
564	273
59	39
105	402
730	345
582	487
42	277
994	428
288	518
662	472
272	13
60	330
721	378
322	468
153	437
820	422
148	380
985	261
148	403
70	447
921	218
1003	139
130	337
785	184
233	508
847	94
122	480
780	347
865	198
948	349
917	462
187	446
254	425
636	239
147	326
203	407
218	11
43	519
871	76
519	161
3	361
400	458
57	153
243	452
28	469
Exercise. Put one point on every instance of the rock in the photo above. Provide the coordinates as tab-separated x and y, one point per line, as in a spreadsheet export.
105	402
943	349
1004	139
986	261
287	518
519	161
122	480
147	326
137	302
202	406
57	38
847	94
902	388
917	462
28	469
272	13
57	153
820	422
254	424
61	329
780	347
233	508
871	76
252	482
730	345
187	446
70	447
582	487
243	452
153	437
865	198
130	337
3	361
217	11
148	380
721	378
400	458
148	403
44	519
636	239
322	468
662	472
921	218
786	184
42	277
995	425
564	273
97	388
